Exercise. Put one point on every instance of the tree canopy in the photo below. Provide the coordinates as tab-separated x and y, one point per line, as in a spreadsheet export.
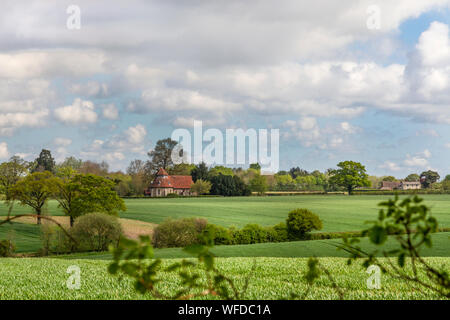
350	175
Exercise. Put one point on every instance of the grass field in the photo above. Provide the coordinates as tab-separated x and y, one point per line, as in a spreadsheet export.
273	278
338	212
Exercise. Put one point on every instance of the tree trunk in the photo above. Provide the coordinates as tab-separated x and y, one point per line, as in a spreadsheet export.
71	221
350	190
38	212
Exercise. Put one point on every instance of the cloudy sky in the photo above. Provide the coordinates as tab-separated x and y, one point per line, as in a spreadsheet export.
339	83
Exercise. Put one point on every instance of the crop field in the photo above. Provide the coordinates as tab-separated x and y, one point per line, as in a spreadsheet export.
273	278
338	212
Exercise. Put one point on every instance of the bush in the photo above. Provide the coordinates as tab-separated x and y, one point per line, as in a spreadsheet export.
300	222
54	240
173	195
6	248
219	234
96	231
280	232
251	233
178	233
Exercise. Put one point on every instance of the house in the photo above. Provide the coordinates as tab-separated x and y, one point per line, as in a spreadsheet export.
390	185
165	184
400	185
410	185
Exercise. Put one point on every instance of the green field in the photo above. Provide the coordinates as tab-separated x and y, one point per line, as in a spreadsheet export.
273	278
338	212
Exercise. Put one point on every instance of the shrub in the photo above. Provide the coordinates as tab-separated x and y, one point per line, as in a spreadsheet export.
96	231
54	240
219	234
173	195
251	233
6	248
300	222
178	233
281	232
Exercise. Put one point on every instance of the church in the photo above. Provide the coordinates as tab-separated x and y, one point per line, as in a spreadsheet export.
165	184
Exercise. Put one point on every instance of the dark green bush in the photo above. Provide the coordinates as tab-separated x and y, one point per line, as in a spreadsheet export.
251	233
178	233
281	232
96	231
300	222
220	234
6	248
173	195
55	241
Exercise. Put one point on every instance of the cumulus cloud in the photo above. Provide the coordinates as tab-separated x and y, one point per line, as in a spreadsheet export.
4	152
110	112
79	112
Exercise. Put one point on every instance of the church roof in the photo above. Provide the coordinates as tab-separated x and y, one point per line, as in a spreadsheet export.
163	180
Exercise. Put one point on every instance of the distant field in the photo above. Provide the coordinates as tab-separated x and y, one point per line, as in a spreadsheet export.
273	278
338	212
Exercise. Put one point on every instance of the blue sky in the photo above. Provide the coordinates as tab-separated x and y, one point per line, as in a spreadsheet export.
130	75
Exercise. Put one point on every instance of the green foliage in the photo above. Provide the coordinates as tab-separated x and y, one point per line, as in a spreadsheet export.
413	225
259	184
96	232
227	185
301	221
55	241
429	177
80	194
10	173
412	177
44	162
35	190
201	187
198	279
6	248
350	175
200	171
181	169
219	234
161	155
390	178
178	233
173	195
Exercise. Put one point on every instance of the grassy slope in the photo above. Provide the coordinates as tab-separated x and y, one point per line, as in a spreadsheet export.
339	213
273	278
26	237
319	248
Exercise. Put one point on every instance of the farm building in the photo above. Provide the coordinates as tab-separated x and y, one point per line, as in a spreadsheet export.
400	185
165	184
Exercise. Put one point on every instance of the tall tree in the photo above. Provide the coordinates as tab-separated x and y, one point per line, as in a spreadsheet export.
80	194
200	171
34	191
201	187
70	162
44	162
259	184
350	175
161	156
427	178
10	173
412	177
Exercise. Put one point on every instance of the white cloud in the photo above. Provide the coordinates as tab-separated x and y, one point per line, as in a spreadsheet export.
110	112
64	142
80	112
391	166
4	152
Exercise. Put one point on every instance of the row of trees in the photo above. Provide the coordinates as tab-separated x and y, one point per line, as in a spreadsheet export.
77	193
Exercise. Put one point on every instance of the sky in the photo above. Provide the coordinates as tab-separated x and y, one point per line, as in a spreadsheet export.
367	81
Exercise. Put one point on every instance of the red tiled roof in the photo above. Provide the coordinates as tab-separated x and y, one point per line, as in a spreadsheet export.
163	180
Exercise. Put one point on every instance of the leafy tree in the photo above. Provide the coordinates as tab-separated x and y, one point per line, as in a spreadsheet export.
429	177
138	182
446	185
295	172
201	187
226	185
350	175
91	167
44	162
10	173
259	184
34	191
255	166
390	179
221	170
301	221
81	194
412	177
200	171
161	156
447	177
70	162
182	169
